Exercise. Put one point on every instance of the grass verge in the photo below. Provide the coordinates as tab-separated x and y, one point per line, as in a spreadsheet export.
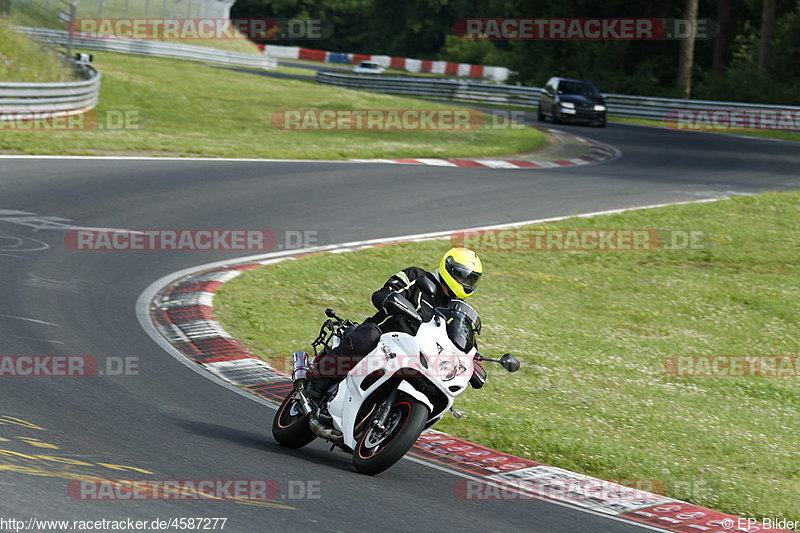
185	108
22	60
593	330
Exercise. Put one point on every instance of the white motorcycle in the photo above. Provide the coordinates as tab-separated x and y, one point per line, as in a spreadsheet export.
402	387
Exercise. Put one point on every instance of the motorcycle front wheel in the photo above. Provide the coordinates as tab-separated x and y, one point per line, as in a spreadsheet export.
378	450
290	426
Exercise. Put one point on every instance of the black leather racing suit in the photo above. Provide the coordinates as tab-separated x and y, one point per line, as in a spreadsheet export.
362	339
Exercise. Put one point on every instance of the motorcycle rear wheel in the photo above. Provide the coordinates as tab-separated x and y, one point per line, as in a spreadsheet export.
290	426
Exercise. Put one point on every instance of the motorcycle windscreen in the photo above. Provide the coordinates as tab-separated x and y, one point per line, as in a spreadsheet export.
461	332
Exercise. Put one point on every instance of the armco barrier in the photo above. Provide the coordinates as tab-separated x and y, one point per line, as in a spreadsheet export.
58	99
475	92
440	89
152	48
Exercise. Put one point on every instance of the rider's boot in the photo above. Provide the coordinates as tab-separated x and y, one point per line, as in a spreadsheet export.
318	386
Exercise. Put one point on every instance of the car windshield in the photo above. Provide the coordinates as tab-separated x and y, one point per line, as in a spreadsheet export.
368	65
578	88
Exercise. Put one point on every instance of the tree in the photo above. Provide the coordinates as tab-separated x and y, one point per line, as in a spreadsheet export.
767	34
722	45
687	50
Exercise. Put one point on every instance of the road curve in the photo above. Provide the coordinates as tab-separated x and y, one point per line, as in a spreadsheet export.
170	423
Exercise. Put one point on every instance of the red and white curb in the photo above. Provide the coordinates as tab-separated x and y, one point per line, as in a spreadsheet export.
177	311
595	153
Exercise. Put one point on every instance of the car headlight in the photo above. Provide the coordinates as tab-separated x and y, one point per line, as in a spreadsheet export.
568	105
599	107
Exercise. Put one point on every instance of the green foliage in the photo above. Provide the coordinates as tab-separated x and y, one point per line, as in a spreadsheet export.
423	29
22	60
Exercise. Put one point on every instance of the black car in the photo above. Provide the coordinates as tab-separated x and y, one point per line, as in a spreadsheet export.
568	100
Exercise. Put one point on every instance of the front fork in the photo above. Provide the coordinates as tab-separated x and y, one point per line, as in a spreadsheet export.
379	422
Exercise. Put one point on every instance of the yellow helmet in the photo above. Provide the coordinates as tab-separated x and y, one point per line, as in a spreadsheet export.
461	270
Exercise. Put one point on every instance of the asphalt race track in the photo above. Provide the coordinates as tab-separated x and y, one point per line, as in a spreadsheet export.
176	424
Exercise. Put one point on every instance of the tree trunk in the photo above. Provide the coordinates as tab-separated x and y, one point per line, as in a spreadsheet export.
687	51
767	34
722	44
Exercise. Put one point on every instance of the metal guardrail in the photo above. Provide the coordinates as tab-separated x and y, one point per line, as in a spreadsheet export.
55	13
19	100
455	90
152	48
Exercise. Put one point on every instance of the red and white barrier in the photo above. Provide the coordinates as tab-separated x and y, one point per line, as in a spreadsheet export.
445	68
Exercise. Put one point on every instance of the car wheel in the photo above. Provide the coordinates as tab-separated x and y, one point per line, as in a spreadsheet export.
540	115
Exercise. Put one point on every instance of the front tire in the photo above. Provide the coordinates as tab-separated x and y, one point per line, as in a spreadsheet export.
290	426
375	452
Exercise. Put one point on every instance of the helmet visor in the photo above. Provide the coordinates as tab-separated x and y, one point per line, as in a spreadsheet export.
464	275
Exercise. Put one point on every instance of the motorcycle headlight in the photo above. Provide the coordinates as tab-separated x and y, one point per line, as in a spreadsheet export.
599	107
568	105
450	368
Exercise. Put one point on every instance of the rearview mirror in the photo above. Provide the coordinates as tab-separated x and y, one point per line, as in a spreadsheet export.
509	362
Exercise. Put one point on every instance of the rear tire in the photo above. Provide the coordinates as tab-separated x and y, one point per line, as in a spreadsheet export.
375	452
539	114
290	426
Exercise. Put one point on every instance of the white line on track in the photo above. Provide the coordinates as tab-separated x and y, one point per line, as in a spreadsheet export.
149	158
34	320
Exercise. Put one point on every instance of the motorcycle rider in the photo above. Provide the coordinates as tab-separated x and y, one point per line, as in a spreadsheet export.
457	277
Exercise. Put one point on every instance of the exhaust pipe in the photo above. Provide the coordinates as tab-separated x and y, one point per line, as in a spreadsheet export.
325	432
317	427
300	368
300	378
